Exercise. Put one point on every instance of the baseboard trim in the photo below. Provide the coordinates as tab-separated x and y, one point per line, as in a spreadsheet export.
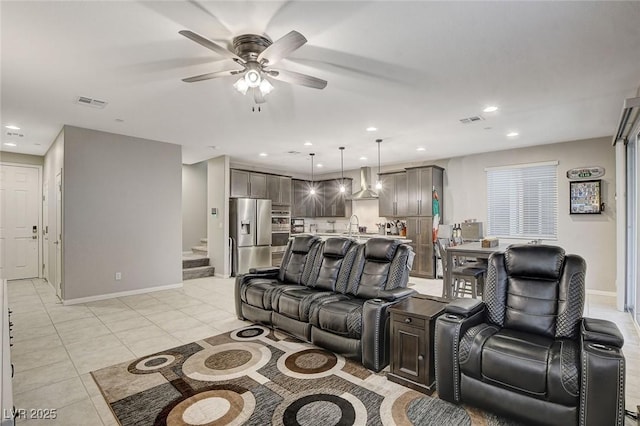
120	294
602	293
221	275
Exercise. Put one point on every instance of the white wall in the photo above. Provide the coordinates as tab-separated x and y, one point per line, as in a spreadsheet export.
13	157
194	204
218	226
590	236
122	213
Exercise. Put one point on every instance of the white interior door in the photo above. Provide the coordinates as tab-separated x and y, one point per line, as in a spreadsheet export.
58	236
45	230
19	233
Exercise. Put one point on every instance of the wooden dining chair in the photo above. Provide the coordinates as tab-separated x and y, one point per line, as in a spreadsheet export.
467	280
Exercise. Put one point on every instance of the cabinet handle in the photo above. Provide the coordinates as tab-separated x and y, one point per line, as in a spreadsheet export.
420	358
407	320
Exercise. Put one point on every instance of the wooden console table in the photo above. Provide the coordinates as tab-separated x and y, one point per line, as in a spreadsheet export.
412	332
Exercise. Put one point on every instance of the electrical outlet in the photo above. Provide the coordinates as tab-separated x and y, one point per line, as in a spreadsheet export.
118	276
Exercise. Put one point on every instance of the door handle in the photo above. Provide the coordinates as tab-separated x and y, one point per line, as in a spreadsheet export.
56	242
34	237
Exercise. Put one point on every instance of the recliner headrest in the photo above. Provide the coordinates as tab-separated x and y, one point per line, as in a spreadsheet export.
534	260
337	247
303	243
381	249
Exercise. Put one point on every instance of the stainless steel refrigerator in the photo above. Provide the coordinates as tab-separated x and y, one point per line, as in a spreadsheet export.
250	231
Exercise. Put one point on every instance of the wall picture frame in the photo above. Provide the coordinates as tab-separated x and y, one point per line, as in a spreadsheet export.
585	197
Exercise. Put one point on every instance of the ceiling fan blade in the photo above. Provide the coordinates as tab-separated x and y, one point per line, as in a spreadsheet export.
297	78
258	97
211	45
211	75
282	47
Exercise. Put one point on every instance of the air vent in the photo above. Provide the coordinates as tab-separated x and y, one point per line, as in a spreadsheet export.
293	152
94	103
15	134
473	119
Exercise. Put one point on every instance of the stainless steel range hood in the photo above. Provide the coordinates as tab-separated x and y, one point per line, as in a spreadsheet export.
366	192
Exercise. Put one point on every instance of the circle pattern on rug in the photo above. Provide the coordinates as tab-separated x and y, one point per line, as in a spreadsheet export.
220	406
434	412
227	360
310	363
216	364
250	333
320	407
153	363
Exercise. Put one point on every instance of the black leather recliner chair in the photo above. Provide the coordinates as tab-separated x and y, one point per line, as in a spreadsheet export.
526	352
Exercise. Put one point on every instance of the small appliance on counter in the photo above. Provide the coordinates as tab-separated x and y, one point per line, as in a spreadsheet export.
297	226
471	231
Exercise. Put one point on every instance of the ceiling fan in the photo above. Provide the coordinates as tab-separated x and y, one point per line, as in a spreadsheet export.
256	54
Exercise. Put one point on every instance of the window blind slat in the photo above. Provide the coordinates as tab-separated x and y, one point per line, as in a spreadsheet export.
523	201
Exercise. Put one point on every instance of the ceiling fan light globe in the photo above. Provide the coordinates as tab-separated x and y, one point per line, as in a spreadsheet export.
241	86
265	87
252	77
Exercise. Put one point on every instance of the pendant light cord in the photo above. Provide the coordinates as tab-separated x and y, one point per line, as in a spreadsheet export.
342	167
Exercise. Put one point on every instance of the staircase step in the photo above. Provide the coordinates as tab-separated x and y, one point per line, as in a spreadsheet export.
194	262
204	240
200	249
198	272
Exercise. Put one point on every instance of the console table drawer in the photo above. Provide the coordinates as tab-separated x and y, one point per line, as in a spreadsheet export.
409	320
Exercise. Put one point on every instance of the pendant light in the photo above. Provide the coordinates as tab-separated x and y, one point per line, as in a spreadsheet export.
342	187
312	191
379	182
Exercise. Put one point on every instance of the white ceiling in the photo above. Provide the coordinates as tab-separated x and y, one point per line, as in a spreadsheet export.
559	71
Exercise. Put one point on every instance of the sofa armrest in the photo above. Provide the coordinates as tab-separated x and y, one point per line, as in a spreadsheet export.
375	338
602	384
265	270
601	332
241	280
395	294
450	327
465	307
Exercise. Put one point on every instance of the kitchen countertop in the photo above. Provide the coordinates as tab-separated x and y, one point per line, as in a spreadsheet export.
356	236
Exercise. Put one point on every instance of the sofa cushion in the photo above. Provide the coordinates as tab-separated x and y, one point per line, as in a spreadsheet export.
534	260
517	360
297	303
343	317
298	259
328	263
381	249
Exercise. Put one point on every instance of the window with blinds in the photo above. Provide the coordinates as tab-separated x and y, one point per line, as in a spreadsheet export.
523	201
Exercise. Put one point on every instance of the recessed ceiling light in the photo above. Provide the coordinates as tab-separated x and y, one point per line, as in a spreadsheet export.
10	144
490	108
263	154
371	129
12	127
512	134
319	165
421	148
308	143
363	158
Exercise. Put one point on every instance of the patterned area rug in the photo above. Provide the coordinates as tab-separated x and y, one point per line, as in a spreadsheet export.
255	376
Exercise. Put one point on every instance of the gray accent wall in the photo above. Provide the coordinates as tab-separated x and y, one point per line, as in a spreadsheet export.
53	164
122	213
194	204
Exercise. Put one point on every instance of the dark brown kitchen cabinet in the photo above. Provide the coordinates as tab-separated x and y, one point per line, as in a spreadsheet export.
248	184
392	197
421	181
330	202
279	189
420	232
303	201
412	342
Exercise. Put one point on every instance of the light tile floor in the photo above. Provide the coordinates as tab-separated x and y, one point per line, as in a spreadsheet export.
56	346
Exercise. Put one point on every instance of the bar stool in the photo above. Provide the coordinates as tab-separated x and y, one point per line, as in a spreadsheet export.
466	279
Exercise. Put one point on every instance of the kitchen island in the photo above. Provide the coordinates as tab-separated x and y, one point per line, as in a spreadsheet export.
360	237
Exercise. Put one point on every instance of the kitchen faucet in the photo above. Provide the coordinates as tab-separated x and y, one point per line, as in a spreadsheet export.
357	224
